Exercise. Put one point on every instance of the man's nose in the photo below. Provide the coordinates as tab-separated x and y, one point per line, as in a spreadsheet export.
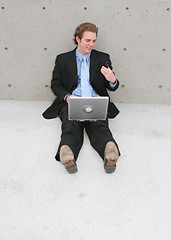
91	44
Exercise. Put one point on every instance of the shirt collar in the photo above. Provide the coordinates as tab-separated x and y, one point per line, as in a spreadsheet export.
80	55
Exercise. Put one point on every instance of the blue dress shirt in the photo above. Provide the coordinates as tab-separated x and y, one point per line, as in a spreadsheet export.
77	91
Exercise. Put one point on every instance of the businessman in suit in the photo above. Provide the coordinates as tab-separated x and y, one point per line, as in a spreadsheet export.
83	72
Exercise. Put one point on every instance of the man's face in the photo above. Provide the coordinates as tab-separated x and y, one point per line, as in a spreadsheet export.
87	42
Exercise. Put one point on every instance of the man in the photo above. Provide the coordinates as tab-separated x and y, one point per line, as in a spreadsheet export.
70	78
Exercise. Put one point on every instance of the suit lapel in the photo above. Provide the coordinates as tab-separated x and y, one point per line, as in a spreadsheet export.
94	61
73	65
93	64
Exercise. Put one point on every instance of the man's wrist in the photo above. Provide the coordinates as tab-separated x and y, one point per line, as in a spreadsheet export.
113	85
67	98
113	81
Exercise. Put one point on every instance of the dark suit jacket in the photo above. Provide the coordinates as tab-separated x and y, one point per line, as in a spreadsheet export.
65	80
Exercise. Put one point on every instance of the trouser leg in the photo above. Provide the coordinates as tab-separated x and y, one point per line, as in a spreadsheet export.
72	133
99	135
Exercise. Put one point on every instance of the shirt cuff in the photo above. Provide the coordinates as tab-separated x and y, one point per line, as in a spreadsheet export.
113	84
66	96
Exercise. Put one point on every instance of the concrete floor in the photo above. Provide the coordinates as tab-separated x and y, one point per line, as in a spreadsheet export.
39	200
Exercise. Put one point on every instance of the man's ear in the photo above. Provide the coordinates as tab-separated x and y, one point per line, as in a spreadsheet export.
78	39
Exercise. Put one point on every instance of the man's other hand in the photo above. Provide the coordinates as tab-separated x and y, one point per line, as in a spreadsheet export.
68	97
109	75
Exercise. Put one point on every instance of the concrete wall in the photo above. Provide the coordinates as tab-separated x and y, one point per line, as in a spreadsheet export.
137	34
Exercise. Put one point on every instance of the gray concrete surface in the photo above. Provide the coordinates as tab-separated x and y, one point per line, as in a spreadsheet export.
40	200
136	34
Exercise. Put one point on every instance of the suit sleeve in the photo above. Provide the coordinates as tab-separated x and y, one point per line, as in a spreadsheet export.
108	85
56	83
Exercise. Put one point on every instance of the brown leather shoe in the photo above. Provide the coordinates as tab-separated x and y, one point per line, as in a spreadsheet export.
67	159
111	156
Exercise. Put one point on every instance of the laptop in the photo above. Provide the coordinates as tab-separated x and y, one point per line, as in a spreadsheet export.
88	108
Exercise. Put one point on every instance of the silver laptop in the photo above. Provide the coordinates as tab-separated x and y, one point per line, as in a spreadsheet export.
88	108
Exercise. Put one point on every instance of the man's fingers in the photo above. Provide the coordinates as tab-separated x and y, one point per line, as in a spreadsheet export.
108	74
105	70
